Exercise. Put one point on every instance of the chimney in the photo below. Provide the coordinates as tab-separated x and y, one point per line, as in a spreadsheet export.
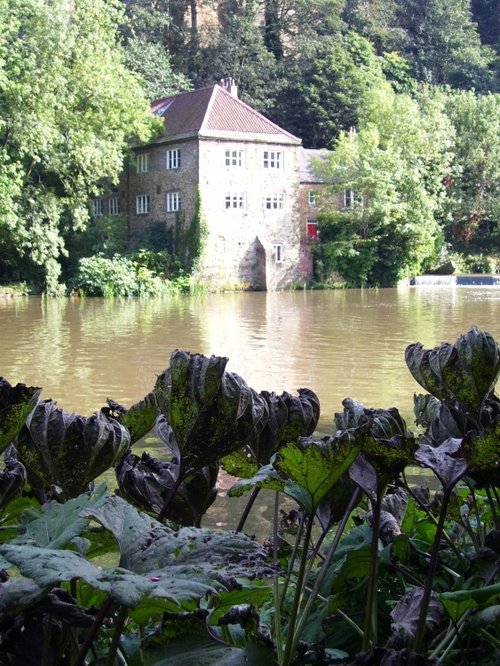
229	85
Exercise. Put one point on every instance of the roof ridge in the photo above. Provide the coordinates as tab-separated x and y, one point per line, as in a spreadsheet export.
256	113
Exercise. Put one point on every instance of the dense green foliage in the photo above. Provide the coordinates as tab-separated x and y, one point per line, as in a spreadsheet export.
366	567
68	108
73	94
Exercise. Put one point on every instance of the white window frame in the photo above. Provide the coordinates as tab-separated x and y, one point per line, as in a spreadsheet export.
142	204
233	157
173	202
312	197
273	159
173	158
278	253
352	199
235	200
142	163
97	207
114	206
275	201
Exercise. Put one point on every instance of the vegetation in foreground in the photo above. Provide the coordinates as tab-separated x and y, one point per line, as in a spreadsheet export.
365	570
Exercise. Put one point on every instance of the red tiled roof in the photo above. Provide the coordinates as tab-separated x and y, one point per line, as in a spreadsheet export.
211	111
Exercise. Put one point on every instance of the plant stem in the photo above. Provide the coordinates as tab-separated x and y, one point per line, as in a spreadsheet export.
324	570
298	592
276	584
291	561
47	631
370	626
99	619
171	495
491	502
248	508
120	621
419	634
480	532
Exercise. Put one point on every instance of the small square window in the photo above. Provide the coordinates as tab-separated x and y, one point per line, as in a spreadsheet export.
173	159
272	159
233	157
142	204
235	200
173	202
142	163
275	201
352	199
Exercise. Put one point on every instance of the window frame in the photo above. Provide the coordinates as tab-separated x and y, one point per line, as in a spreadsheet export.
233	157
173	159
142	163
173	201
352	199
235	201
273	159
278	252
142	204
312	198
114	206
97	207
275	201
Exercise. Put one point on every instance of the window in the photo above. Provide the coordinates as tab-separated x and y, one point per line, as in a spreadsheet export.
142	163
353	199
114	206
272	159
173	202
278	253
275	201
142	204
234	157
173	158
311	197
97	207
235	200
312	230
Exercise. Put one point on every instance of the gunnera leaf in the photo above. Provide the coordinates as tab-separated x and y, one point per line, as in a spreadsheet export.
444	460
68	451
12	480
139	419
146	482
425	408
405	616
16	404
464	372
212	412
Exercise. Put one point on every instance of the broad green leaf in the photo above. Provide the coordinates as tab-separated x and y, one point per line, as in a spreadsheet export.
16	404
266	477
145	544
54	525
139	419
241	463
67	450
487	617
226	600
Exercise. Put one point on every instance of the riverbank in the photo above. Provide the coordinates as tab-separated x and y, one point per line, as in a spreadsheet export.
467	280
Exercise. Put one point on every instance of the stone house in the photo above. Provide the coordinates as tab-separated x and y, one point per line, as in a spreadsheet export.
247	172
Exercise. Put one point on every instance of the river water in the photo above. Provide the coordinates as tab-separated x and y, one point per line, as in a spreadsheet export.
339	343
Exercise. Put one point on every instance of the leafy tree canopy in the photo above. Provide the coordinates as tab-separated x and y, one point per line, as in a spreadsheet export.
68	107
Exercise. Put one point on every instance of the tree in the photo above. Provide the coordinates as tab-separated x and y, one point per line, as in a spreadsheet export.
474	191
397	163
68	108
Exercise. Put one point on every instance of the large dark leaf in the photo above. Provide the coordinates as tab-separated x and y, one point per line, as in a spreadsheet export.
69	451
16	404
463	372
391	446
146	482
405	615
139	419
12	480
212	412
444	460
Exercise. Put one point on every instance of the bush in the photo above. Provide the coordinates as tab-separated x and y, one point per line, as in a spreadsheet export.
117	276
